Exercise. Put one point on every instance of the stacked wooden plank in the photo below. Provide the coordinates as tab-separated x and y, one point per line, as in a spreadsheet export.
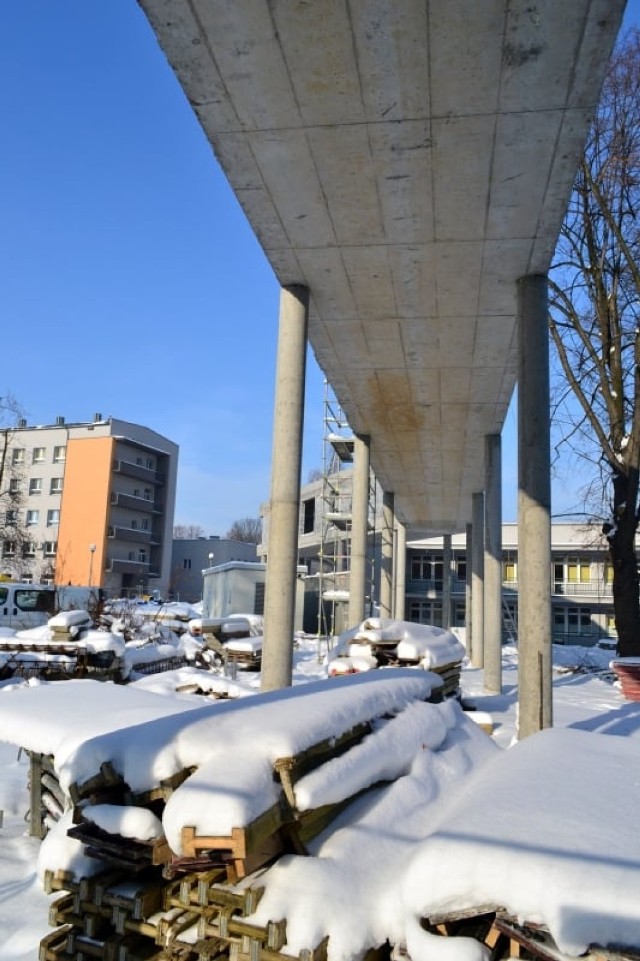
147	903
59	659
507	937
197	916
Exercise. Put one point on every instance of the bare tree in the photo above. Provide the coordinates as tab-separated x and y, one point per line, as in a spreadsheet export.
187	532
13	531
595	322
247	529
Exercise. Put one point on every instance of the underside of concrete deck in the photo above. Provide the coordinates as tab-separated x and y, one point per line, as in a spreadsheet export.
406	161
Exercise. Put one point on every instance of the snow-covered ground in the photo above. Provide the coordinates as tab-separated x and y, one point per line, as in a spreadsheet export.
373	874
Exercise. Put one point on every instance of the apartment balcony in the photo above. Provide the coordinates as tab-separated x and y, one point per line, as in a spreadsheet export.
118	565
128	469
595	589
119	499
131	535
423	587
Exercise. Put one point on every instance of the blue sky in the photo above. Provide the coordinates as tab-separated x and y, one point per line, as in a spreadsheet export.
130	283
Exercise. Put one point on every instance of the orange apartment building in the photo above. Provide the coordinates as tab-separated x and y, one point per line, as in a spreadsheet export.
92	505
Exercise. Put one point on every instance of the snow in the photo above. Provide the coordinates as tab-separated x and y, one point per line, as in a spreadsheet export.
128	821
67	619
578	872
55	717
245	645
545	828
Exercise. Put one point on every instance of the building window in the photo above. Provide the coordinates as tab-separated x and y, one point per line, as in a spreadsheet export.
150	463
8	548
421	568
578	571
17	456
11	518
14	485
35	485
186	564
33	517
56	485
53	517
144	524
426	612
29	549
258	599
461	568
38	455
309	516
573	620
142	557
459	609
50	548
558	577
139	461
147	493
509	572
59	454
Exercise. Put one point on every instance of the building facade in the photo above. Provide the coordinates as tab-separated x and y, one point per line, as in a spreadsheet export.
579	570
88	504
192	556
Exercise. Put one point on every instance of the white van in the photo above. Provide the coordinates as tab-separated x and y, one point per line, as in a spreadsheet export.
26	605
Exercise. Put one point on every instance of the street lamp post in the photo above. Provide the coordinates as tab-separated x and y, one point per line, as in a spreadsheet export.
92	550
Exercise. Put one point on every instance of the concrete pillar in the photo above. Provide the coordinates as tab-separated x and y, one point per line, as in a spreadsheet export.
386	562
534	508
288	417
468	622
493	565
400	555
446	582
477	582
359	531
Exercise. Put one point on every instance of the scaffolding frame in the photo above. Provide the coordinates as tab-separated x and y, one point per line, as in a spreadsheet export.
334	555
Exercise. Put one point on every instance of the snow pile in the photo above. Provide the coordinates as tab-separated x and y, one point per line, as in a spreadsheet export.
184	682
540	832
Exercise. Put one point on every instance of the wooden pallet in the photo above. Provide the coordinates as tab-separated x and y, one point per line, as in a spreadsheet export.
106	783
534	940
289	770
246	848
125	853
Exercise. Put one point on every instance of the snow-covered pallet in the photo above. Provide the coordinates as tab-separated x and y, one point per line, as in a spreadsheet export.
281	827
58	660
